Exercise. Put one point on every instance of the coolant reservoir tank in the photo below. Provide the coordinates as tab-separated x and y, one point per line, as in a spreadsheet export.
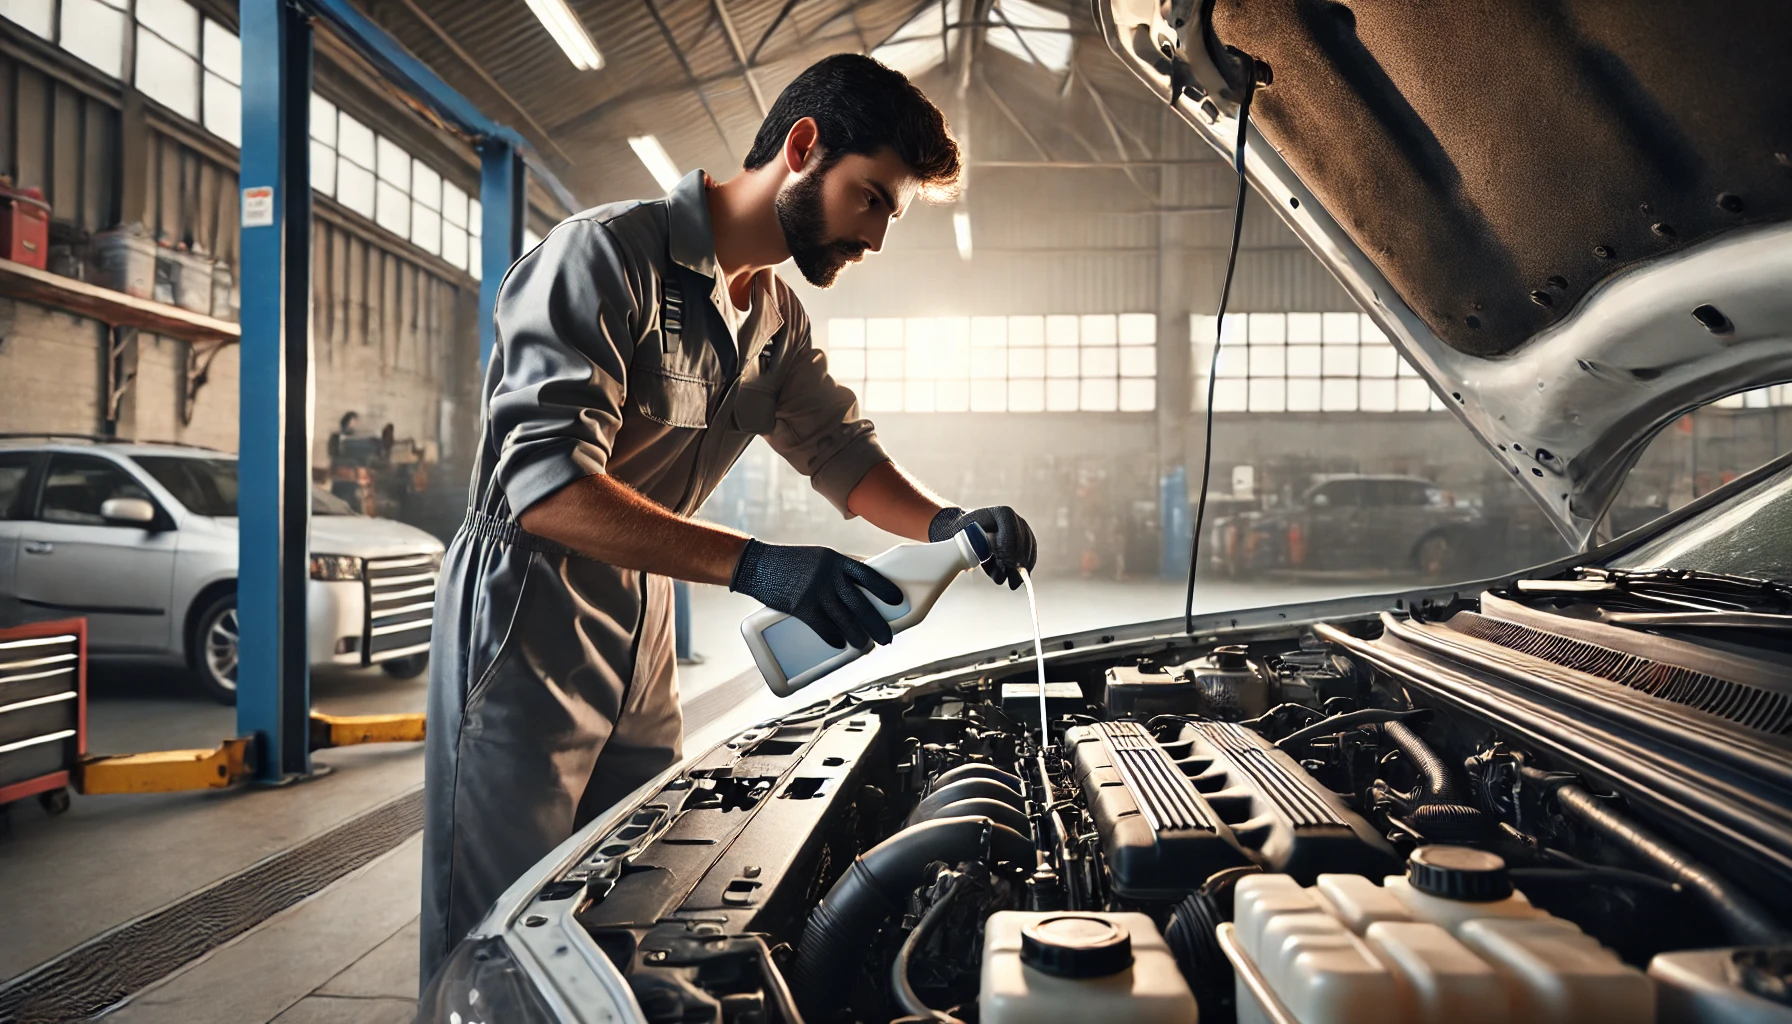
1229	684
1452	942
1047	967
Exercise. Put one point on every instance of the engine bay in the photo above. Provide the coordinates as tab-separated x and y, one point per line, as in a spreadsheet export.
1423	815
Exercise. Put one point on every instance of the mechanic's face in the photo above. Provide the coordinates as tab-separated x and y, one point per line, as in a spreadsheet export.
833	215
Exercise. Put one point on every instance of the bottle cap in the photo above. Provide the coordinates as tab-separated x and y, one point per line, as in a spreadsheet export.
1459	873
1076	946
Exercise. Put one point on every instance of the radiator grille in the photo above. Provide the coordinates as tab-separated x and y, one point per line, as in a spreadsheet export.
401	598
1750	706
1164	794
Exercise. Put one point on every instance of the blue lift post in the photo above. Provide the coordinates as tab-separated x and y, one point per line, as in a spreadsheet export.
501	221
275	432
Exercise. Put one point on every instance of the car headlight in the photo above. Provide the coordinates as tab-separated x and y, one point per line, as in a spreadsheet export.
482	982
335	568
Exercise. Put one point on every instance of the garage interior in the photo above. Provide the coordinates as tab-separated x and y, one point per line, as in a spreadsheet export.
1042	342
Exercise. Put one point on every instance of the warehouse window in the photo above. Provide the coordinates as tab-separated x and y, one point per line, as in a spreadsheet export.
1306	362
93	30
475	228
35	16
222	94
168	35
380	180
454	224
1101	363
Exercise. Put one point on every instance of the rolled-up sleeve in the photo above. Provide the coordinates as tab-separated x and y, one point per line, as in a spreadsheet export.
564	344
819	430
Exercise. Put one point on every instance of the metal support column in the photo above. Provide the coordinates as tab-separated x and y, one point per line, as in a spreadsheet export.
1175	383
501	189
274	440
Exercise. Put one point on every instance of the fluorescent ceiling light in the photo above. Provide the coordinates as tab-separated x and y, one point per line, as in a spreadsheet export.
961	226
654	155
569	32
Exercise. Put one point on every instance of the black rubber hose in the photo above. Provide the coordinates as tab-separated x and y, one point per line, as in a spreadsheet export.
841	929
904	991
973	771
1436	784
982	807
1747	922
1344	723
965	789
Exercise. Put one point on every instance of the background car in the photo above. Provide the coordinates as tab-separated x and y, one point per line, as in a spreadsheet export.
141	540
1348	523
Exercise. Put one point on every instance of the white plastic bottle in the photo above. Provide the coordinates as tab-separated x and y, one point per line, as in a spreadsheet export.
791	656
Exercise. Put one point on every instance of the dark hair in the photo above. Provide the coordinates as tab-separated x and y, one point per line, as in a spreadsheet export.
342	424
861	106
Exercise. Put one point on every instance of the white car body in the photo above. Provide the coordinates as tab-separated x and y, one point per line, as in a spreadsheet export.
140	588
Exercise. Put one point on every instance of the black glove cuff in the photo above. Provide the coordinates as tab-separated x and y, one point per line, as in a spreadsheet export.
944	524
746	571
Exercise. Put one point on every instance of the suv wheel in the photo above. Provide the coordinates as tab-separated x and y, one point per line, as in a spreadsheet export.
212	649
408	667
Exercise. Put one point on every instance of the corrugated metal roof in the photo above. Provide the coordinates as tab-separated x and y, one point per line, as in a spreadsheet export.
1077	240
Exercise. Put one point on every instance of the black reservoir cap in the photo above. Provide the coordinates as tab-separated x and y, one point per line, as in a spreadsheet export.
1459	873
1076	946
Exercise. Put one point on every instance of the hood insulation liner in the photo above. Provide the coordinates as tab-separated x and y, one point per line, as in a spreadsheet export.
1497	160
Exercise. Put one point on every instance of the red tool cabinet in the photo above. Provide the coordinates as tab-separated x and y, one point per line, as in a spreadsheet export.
43	710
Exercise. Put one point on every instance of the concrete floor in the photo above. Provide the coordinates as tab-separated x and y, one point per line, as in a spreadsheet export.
349	952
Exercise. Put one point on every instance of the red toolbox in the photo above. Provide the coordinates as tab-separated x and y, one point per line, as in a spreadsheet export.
24	226
43	710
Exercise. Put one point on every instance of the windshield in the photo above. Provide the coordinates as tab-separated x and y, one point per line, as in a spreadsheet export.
207	487
1750	535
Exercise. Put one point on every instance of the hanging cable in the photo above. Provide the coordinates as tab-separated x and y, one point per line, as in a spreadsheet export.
1244	128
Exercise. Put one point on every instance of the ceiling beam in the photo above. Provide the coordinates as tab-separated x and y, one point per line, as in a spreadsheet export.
1088	165
650	93
484	76
678	53
783	12
740	55
1014	119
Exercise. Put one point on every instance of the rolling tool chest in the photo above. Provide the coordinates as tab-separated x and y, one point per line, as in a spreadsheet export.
43	711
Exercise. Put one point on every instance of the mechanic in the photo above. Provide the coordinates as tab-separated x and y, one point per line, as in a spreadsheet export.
640	348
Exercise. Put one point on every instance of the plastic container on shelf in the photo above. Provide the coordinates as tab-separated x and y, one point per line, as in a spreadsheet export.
1450	943
791	656
192	280
24	226
124	260
1072	967
225	301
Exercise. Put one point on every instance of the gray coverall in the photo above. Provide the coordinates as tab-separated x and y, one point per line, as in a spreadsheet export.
552	689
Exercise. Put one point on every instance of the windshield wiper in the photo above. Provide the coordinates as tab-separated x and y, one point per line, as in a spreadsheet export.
1687	590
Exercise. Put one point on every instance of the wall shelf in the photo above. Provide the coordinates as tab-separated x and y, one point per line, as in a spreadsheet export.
113	308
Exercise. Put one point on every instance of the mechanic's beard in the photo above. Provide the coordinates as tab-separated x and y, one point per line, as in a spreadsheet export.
800	214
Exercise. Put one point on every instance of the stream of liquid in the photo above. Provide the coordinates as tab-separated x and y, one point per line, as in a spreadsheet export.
1038	653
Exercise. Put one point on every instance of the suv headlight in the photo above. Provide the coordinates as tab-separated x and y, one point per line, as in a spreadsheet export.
335	568
481	982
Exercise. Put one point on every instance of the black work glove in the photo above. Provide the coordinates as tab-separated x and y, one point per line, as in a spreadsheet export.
1011	544
820	586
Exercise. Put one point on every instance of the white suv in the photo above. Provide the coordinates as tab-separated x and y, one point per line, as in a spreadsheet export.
141	540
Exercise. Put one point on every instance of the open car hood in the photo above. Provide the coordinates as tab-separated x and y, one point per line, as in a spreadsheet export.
1573	217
